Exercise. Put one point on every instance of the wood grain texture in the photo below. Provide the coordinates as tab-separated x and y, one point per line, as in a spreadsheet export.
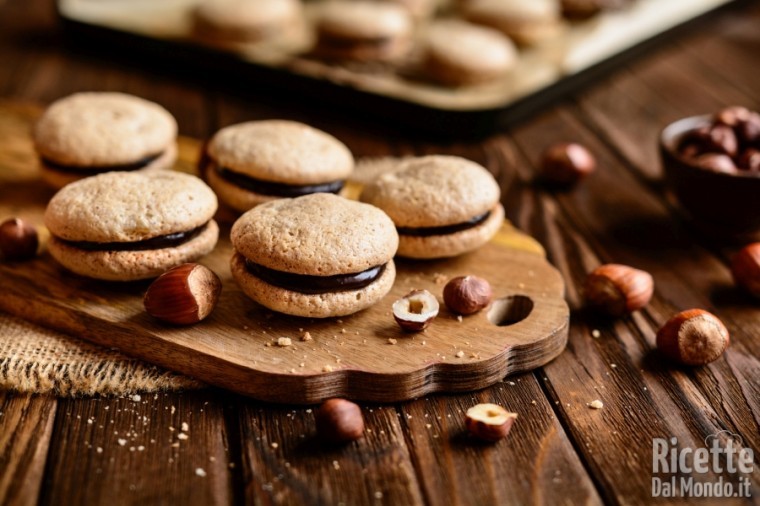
149	449
362	356
26	426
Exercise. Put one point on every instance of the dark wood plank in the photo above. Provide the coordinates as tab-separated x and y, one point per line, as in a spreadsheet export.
285	462
141	449
26	426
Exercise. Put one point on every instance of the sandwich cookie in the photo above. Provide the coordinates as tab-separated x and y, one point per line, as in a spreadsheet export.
458	53
525	22
442	206
124	226
363	30
231	22
255	162
315	256
89	133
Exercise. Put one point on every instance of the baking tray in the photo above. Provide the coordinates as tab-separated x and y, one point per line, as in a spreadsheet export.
157	32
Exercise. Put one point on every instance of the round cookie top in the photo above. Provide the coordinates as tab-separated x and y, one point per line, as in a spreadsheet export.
281	151
102	129
470	46
129	206
243	15
434	191
363	20
319	234
513	10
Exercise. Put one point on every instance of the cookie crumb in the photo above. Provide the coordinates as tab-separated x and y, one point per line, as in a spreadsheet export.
327	368
459	318
336	465
200	472
136	398
185	427
182	436
306	336
440	279
274	445
284	341
392	341
460	354
595	404
595	334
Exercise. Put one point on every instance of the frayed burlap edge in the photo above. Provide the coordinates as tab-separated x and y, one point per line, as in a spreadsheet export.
38	360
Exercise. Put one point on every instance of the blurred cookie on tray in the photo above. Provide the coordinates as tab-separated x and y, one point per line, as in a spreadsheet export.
526	22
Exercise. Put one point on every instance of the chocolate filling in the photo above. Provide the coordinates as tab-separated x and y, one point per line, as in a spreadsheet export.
277	189
447	229
312	285
160	242
126	167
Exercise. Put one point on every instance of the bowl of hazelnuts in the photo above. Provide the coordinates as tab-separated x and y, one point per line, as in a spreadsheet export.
712	164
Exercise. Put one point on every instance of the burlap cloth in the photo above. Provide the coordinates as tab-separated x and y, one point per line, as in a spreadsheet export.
34	359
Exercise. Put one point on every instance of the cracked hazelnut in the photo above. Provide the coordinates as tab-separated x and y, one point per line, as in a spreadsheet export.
745	268
415	310
617	289
183	295
467	294
566	163
339	421
489	422
18	240
693	337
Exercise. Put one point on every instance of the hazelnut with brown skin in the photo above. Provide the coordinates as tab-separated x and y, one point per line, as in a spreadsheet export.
489	422
745	268
716	162
750	160
616	289
693	337
18	240
733	115
467	295
183	295
339	421
566	163
414	311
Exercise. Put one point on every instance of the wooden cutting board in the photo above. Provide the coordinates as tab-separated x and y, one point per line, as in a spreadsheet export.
364	356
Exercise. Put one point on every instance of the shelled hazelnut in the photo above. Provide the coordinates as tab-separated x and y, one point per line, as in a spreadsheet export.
730	143
466	295
566	163
616	289
489	422
339	421
693	337
745	268
414	311
18	240
183	295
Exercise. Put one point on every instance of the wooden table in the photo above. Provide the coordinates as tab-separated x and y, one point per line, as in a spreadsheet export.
560	451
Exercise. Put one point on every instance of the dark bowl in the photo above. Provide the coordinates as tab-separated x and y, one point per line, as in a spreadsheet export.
724	206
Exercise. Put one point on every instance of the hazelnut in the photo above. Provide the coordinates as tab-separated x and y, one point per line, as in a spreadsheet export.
339	421
693	337
18	240
750	160
749	130
617	289
489	422
467	294
566	163
745	267
183	295
414	311
733	115
715	162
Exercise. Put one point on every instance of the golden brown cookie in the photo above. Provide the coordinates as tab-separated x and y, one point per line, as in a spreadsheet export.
442	206
230	22
90	133
318	255
124	226
525	22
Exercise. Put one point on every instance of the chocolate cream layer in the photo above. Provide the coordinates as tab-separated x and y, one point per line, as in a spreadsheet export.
276	189
158	242
446	229
313	285
98	169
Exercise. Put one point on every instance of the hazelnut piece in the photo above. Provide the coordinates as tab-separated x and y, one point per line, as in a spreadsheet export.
745	268
339	421
414	311
566	163
750	160
749	130
489	422
715	162
733	115
18	240
693	337
183	295
467	294
617	289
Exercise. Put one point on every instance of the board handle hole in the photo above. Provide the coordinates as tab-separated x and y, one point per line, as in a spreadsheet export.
510	310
